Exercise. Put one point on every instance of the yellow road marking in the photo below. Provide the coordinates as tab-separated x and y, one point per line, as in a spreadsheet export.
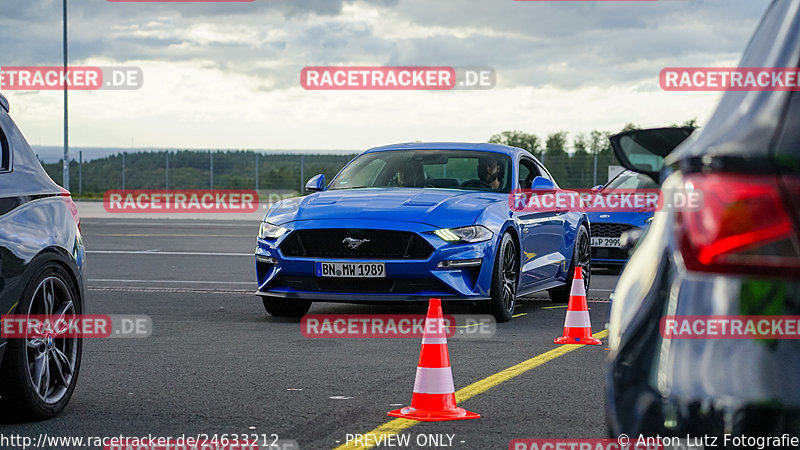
10	309
520	315
397	425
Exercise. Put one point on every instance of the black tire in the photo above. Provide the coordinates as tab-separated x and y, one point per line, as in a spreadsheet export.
504	281
59	359
286	308
582	256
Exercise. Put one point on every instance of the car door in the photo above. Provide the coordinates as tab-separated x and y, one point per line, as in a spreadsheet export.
6	204
643	151
541	233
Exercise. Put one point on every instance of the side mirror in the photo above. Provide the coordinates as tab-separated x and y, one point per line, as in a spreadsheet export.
597	188
543	183
316	183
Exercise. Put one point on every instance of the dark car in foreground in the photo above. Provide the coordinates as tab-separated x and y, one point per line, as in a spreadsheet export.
408	222
41	273
734	257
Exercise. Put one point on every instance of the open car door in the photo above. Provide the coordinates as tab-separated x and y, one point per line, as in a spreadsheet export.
643	151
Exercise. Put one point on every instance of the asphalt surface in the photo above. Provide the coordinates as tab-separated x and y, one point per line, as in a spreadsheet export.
216	362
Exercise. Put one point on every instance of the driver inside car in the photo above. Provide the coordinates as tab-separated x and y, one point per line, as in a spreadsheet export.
489	171
412	175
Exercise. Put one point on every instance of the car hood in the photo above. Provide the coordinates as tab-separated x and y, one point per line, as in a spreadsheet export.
437	207
635	218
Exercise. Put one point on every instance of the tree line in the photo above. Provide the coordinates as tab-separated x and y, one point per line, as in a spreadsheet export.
236	169
576	169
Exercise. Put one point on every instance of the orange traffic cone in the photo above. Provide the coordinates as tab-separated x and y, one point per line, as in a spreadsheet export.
434	396
577	326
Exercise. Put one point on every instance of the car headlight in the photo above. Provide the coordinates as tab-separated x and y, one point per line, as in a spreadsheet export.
473	233
270	231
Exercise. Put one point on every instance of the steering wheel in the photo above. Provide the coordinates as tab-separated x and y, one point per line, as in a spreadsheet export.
476	183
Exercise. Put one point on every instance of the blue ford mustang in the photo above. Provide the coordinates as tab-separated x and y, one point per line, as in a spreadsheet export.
408	222
608	226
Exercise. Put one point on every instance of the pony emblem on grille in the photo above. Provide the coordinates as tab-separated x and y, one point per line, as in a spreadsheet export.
353	242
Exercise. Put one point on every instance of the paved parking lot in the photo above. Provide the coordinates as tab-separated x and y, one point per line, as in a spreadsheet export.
217	363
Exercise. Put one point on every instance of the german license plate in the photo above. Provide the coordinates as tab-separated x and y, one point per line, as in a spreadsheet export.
351	270
598	241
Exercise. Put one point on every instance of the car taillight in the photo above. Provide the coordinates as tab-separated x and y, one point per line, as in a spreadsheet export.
65	194
743	226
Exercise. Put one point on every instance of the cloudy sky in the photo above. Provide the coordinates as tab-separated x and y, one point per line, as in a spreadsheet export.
227	75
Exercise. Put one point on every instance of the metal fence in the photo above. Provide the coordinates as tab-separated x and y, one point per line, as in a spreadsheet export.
188	169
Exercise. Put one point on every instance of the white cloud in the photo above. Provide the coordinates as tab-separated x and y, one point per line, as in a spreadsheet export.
220	76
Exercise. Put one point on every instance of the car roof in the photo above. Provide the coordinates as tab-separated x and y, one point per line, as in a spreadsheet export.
470	146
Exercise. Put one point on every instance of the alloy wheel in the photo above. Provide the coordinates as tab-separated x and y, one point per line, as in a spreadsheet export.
509	276
52	356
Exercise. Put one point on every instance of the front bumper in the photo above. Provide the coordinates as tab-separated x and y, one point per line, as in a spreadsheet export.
360	298
406	279
610	256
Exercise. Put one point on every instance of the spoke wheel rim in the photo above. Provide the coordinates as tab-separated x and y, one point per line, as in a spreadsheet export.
51	357
509	269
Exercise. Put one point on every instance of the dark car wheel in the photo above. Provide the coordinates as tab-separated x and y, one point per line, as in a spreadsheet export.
286	308
504	280
39	374
581	257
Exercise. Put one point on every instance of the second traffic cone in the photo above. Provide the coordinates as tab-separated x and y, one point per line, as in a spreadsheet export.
577	325
434	397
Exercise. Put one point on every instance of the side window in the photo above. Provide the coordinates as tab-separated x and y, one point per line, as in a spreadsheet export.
543	172
5	153
527	172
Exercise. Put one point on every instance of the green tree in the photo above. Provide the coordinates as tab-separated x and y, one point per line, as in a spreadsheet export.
556	157
580	163
688	123
527	141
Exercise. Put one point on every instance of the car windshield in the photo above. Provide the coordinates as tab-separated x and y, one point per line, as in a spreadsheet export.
447	169
631	180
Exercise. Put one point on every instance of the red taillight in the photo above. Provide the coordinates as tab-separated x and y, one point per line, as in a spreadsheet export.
743	226
71	206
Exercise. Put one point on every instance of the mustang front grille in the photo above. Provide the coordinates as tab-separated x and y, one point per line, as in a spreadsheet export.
609	229
356	244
